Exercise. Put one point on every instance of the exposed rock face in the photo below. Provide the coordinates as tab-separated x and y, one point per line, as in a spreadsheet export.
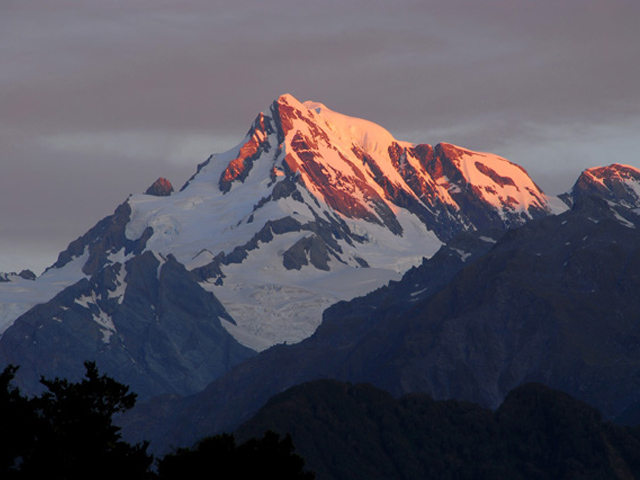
146	323
105	238
24	274
449	188
160	188
616	183
258	143
27	275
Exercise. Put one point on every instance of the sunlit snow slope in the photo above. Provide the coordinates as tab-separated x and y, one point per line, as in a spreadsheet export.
311	207
314	206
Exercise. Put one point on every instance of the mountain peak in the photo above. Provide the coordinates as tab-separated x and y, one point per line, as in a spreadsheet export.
615	183
612	173
287	99
359	170
24	274
312	194
367	135
160	188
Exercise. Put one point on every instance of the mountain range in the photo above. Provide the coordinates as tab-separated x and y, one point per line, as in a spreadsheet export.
553	301
438	269
312	207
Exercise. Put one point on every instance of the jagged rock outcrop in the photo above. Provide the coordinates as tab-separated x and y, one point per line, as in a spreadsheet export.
160	188
107	237
24	274
616	183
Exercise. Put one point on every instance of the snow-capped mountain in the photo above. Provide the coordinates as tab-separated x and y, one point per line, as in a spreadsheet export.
283	225
618	184
310	208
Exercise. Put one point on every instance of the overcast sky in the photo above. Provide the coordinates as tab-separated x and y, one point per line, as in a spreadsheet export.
99	98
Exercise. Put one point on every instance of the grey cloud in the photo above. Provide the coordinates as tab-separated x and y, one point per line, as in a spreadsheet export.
533	81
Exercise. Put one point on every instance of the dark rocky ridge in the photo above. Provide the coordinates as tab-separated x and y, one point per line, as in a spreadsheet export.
316	248
552	300
165	336
24	274
612	183
239	168
106	237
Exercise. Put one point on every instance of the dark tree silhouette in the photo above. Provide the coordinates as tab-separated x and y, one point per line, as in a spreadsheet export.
69	431
219	457
17	422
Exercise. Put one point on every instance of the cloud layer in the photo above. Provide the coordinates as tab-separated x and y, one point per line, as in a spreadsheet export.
100	98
